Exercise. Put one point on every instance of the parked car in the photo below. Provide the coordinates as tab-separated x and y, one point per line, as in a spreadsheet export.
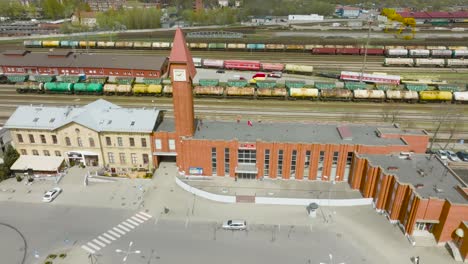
275	74
463	155
452	156
220	71
51	195
442	154
235	225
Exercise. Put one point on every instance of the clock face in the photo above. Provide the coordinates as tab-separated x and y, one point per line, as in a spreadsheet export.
179	75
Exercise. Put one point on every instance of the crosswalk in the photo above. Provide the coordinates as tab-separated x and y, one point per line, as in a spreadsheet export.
115	232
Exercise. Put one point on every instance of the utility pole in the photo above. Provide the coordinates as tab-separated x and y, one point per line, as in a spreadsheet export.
369	23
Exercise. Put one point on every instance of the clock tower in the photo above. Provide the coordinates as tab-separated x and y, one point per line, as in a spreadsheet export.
182	71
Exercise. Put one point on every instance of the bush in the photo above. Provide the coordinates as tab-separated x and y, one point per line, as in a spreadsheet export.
19	178
148	175
30	179
63	255
48	262
52	256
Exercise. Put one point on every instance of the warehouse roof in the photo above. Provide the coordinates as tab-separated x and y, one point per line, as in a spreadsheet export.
70	59
99	115
37	163
293	132
429	176
435	14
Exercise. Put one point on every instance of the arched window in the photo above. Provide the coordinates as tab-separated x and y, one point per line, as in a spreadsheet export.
79	141
91	142
67	141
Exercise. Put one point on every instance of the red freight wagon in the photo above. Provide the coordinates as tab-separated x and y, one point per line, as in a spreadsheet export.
324	51
348	51
272	66
379	52
242	65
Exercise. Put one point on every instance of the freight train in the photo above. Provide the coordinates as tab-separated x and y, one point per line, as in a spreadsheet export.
388	50
426	62
324	91
251	65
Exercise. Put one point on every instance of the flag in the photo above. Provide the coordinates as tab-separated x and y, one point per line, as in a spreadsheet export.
249	123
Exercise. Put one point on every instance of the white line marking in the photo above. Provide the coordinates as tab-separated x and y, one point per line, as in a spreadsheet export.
186	222
156	219
109	236
124	228
142	217
114	233
118	230
133	222
145	214
88	249
93	246
129	225
99	243
137	219
104	239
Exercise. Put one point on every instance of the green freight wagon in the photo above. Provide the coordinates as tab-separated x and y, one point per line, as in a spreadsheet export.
355	86
208	82
96	79
33	43
385	86
88	88
124	80
448	87
416	87
294	84
325	85
256	46
71	78
216	45
43	78
266	84
17	78
58	87
152	80
237	83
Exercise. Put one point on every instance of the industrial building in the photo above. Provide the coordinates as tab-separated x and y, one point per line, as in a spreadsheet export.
24	62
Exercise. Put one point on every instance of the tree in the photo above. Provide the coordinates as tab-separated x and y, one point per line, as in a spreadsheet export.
11	155
443	115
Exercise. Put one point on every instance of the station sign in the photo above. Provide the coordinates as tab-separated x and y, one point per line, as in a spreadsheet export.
195	171
247	146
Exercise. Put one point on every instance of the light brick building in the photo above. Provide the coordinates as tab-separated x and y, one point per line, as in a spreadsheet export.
98	134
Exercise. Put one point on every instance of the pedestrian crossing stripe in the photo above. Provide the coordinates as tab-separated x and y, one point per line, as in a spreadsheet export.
145	214
109	236
99	243
129	225
113	233
88	249
118	230
123	227
142	217
93	246
104	239
137	219
133	222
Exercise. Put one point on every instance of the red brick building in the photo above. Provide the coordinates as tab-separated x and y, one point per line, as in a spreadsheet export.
71	63
256	149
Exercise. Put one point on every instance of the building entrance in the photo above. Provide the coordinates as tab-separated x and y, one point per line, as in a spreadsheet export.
167	158
248	176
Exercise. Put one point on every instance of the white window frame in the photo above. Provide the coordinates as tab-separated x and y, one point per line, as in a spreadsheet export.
172	145
158	143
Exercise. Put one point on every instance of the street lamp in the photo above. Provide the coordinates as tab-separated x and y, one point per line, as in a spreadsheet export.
331	260
128	252
369	22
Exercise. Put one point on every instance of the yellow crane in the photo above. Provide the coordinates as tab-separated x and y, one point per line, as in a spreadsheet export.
405	22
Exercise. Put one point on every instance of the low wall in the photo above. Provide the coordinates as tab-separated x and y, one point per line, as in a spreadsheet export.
206	195
274	200
321	202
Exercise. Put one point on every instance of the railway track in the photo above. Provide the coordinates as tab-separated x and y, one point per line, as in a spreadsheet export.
409	115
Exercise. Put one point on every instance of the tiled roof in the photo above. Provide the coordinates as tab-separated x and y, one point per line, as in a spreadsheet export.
99	115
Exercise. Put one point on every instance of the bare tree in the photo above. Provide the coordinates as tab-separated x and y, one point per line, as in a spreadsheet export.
445	115
390	113
454	127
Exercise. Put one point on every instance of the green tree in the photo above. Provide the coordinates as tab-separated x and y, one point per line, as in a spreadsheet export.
11	155
52	9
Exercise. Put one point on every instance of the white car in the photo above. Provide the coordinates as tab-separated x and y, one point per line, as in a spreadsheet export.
235	225
452	156
51	195
442	154
275	74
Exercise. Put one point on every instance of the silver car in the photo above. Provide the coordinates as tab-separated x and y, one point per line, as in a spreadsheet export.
442	154
452	156
235	225
51	195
